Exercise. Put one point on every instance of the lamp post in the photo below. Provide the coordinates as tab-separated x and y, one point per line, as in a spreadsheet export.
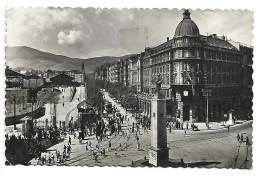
32	112
207	94
14	100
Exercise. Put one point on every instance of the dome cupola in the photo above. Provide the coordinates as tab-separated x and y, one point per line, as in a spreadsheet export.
186	27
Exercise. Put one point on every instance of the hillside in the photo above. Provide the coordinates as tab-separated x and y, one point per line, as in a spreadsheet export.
27	58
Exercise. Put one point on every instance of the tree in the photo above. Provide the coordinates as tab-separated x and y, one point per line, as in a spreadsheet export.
48	96
129	101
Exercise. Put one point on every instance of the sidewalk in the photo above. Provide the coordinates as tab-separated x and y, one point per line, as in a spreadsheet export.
201	125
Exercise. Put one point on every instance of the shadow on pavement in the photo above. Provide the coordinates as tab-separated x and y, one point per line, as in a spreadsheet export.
174	163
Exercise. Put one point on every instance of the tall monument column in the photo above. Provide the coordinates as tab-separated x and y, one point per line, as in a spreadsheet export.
159	152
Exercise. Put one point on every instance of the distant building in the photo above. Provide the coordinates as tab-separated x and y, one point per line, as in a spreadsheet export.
13	78
21	91
79	78
62	80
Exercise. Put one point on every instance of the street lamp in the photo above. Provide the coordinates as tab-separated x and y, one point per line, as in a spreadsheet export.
207	94
14	100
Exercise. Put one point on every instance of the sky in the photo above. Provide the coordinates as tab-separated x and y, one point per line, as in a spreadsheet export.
85	33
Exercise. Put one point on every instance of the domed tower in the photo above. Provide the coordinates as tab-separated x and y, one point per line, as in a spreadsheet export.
187	27
186	68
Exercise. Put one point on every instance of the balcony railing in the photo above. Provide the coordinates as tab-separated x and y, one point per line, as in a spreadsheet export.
175	45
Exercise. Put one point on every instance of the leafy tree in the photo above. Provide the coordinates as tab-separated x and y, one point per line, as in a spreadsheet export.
49	95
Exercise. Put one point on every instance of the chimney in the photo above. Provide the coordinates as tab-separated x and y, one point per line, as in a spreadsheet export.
214	35
168	39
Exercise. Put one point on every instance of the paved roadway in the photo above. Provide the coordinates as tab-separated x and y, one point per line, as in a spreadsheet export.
218	147
206	148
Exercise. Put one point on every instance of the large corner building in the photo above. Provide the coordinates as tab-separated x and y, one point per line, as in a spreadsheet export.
198	71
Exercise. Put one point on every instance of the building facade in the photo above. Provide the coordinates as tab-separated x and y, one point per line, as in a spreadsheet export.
197	71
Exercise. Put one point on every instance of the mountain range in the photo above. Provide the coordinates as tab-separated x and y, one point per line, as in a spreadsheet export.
27	58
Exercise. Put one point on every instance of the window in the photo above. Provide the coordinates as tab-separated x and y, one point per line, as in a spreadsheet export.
205	54
176	54
213	55
168	93
224	56
192	53
167	68
186	53
197	53
184	66
167	79
188	66
181	53
174	80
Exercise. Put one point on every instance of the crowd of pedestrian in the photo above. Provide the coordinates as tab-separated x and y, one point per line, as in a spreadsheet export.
242	139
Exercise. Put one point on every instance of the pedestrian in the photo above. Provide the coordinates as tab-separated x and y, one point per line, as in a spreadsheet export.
58	155
241	137
69	143
52	156
238	137
39	160
101	151
63	104
120	145
187	125
64	148
138	145
137	138
45	159
49	160
109	145
104	152
42	160
69	149
247	140
59	161
185	133
228	127
87	147
64	156
96	158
